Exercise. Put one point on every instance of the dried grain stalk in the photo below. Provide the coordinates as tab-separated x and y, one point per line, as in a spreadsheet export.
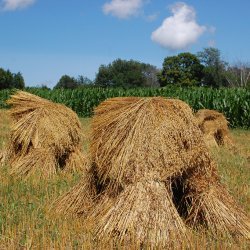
79	199
214	127
153	176
134	137
209	204
144	211
43	130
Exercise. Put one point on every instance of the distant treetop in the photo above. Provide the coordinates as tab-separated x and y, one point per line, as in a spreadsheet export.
9	80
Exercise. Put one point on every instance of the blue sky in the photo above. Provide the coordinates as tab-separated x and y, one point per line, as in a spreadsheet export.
45	39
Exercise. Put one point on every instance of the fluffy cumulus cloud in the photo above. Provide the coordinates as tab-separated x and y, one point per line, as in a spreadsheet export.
179	30
123	8
9	5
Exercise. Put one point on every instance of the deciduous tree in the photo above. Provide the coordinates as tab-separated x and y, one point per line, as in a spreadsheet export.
66	82
184	69
123	73
238	75
10	80
215	67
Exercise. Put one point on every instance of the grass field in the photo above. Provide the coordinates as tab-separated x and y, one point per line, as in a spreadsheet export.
26	224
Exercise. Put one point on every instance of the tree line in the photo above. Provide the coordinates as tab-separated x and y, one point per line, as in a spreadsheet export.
206	68
9	80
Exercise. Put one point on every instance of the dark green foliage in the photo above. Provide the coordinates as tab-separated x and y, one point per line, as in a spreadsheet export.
18	81
234	103
184	69
68	82
215	68
83	80
10	80
126	74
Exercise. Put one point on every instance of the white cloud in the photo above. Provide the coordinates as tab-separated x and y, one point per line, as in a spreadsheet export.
123	8
179	30
9	5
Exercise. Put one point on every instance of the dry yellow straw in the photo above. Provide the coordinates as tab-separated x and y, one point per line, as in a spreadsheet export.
214	126
45	137
152	175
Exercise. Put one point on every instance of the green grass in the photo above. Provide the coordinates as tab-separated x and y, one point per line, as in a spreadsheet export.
25	222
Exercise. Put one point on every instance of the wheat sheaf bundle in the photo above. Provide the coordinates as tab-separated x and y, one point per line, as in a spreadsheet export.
214	126
153	176
45	137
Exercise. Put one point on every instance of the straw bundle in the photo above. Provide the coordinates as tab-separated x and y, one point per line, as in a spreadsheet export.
78	200
214	126
44	137
155	140
143	211
139	137
152	176
206	202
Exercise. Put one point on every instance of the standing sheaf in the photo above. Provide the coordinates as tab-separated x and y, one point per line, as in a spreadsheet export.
153	176
45	137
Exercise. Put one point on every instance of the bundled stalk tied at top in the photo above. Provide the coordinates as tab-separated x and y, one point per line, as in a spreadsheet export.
153	176
45	137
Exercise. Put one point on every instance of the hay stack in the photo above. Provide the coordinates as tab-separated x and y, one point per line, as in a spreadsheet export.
136	138
153	175
45	137
214	126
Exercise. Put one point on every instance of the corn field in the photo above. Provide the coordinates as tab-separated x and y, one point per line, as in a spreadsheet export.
234	103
